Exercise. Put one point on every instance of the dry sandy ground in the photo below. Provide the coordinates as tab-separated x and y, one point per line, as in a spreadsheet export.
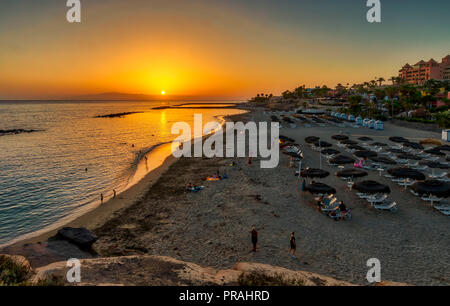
211	228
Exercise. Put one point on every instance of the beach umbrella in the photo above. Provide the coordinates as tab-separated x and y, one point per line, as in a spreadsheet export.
413	145
315	173
434	151
383	160
352	173
433	187
330	152
398	139
320	188
339	137
349	142
323	144
355	147
405	173
341	160
435	165
364	138
311	139
394	150
443	148
365	154
409	156
371	187
379	144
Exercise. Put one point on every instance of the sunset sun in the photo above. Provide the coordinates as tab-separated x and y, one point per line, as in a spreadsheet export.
163	92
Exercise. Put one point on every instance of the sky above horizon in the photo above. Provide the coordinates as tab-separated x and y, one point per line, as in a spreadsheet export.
213	48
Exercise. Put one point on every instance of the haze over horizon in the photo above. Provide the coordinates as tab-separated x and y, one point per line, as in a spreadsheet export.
224	49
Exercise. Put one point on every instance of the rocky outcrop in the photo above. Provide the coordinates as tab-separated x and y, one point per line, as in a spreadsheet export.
81	237
166	271
15	131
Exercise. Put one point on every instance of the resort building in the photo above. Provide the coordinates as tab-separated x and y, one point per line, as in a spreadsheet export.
424	71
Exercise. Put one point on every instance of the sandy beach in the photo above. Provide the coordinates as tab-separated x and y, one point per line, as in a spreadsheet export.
211	228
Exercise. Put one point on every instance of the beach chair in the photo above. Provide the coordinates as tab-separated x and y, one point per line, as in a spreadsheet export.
431	198
363	195
340	215
386	205
420	168
377	198
438	176
414	193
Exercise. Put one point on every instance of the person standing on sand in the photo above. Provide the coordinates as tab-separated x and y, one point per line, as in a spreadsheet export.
254	235
114	193
293	245
101	198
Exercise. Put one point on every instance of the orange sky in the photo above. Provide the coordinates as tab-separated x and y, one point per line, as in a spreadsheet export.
206	48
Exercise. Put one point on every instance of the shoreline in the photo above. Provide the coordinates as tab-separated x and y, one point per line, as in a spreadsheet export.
99	213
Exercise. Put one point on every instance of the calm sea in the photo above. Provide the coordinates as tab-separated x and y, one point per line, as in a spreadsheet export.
43	177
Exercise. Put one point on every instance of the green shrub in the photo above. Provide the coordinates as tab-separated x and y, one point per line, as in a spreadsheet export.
12	273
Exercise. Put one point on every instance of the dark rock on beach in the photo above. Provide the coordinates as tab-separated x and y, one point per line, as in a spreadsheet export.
81	237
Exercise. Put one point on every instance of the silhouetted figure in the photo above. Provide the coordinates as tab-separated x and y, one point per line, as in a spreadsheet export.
101	198
114	192
254	236
293	245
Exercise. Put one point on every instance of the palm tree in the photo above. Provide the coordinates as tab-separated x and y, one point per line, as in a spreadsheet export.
381	80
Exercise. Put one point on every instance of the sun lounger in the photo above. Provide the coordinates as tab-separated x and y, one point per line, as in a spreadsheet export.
377	199
340	215
386	205
414	193
430	198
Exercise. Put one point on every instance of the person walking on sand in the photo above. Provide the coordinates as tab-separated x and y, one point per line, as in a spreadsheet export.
254	235
293	245
101	198
303	186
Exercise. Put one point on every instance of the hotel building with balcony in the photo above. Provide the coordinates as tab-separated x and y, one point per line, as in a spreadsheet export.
424	71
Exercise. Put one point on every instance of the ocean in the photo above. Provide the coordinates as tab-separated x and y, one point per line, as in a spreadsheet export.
59	171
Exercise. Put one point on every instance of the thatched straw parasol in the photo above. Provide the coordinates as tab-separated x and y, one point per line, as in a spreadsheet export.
352	173
365	154
339	137
314	173
409	156
398	139
365	138
433	187
342	160
379	144
371	187
383	160
405	173
349	142
311	139
320	188
413	145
